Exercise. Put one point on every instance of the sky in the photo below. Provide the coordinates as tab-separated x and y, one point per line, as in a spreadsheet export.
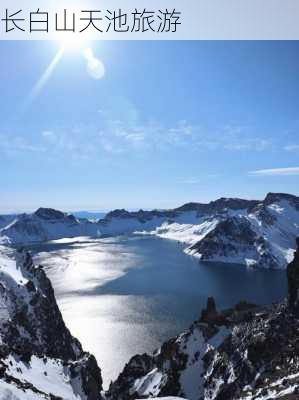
127	124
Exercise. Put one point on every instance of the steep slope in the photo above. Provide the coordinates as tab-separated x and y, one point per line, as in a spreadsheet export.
38	356
244	353
264	237
6	220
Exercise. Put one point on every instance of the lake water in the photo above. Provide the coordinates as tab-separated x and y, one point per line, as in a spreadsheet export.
126	295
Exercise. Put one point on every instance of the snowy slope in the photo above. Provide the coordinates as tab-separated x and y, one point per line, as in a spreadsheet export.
166	398
177	368
263	237
253	356
6	220
39	358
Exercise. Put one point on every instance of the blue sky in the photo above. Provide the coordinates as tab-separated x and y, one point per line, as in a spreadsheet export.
147	124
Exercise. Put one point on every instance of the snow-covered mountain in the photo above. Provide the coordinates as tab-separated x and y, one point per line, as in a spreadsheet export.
39	358
255	233
45	224
250	232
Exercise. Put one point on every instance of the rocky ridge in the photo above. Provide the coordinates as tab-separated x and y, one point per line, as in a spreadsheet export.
39	358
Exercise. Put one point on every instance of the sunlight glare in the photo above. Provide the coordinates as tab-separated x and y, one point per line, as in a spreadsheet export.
73	43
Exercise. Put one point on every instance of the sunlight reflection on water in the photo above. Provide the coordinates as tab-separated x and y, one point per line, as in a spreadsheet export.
122	296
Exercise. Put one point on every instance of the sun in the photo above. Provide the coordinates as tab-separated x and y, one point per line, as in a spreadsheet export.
73	42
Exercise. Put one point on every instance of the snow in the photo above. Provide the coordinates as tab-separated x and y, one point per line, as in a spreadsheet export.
196	346
10	392
149	384
191	376
45	374
31	228
185	233
166	398
8	266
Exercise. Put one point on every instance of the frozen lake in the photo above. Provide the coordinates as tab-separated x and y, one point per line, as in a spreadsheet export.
126	295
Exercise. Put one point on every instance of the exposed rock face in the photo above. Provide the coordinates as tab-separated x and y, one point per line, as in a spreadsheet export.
211	316
234	238
258	360
293	280
49	213
6	220
275	197
220	205
176	369
35	342
141	215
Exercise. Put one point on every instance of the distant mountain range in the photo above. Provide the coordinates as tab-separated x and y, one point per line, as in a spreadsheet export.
230	230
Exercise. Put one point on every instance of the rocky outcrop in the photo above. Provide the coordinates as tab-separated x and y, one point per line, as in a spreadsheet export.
276	197
293	280
236	239
219	206
255	355
33	333
141	215
247	352
176	369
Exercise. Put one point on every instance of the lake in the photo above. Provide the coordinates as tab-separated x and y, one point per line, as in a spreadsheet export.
126	295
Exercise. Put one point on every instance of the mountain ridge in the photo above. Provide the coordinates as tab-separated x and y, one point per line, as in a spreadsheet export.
214	232
39	358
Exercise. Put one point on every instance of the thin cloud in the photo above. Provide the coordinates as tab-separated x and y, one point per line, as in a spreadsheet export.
191	181
294	171
249	145
17	144
292	147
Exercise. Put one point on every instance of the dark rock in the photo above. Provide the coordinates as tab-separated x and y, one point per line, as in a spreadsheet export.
210	314
293	280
